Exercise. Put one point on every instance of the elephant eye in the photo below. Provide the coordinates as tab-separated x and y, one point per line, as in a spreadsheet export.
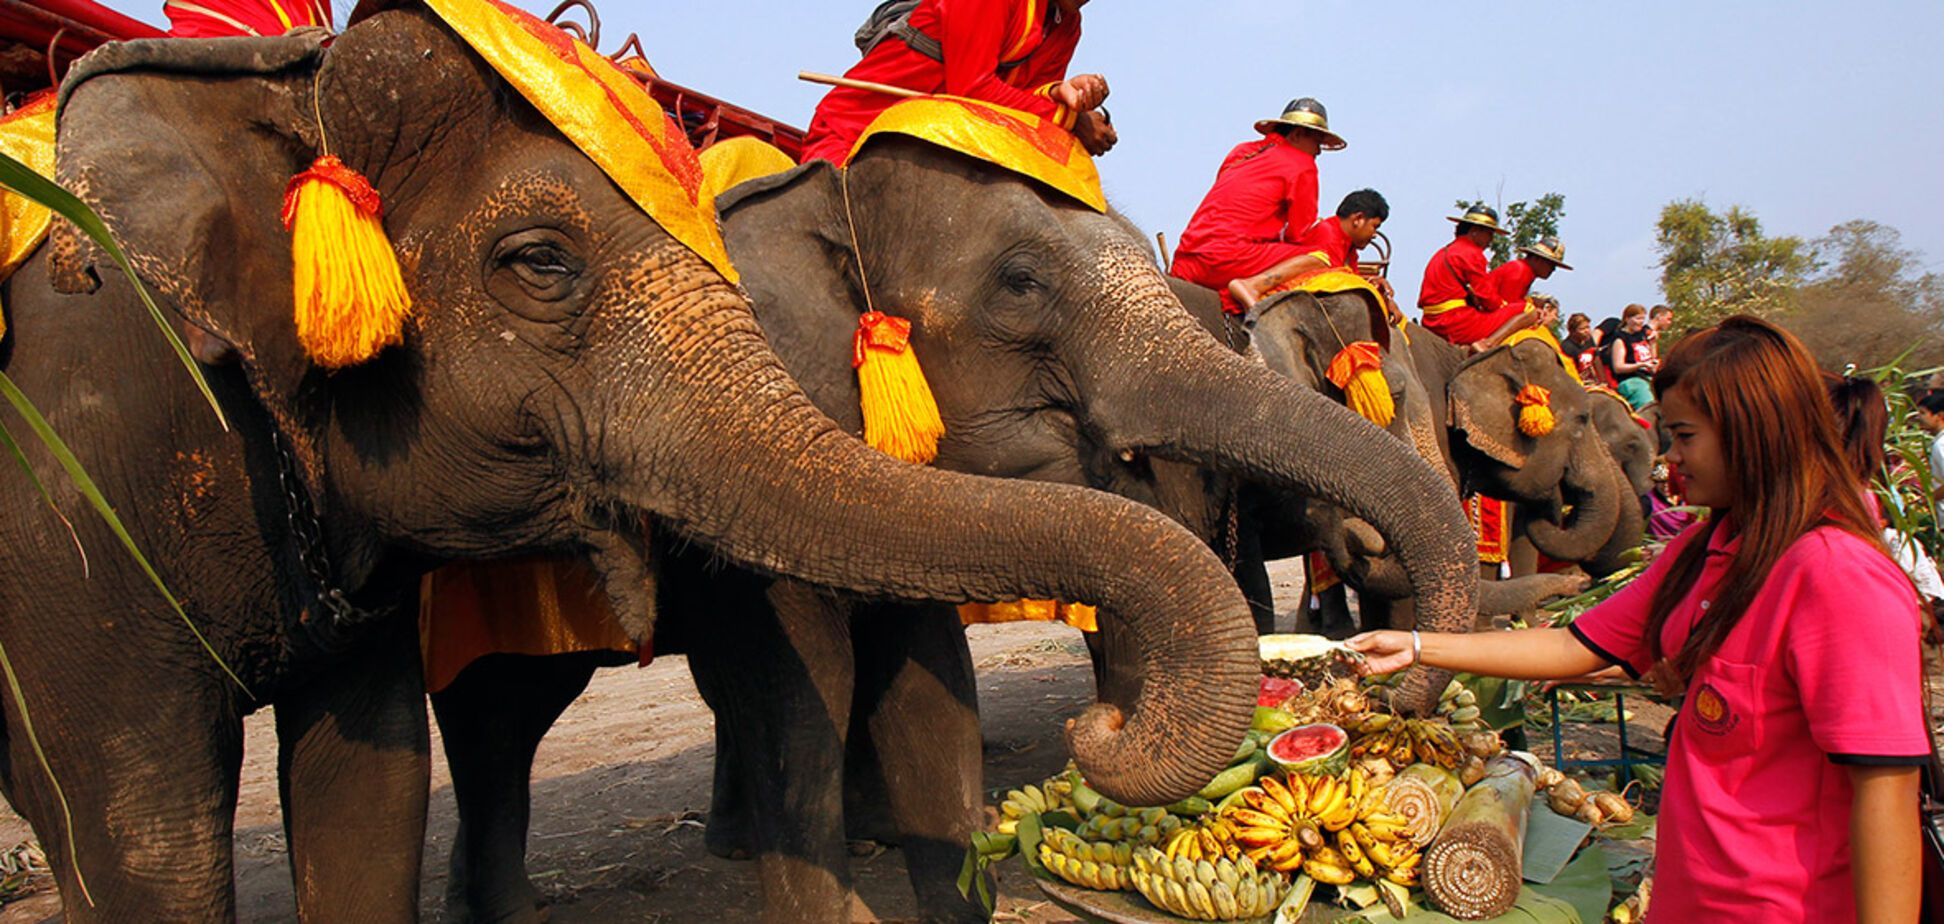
536	265
543	261
1021	277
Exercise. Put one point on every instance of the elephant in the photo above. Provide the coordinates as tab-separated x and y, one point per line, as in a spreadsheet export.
572	380
1056	352
1461	412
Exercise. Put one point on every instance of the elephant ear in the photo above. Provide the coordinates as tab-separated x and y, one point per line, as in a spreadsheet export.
789	236
1482	405
184	148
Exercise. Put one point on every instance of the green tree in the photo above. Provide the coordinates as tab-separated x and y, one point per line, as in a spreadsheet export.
1714	265
1869	305
1527	222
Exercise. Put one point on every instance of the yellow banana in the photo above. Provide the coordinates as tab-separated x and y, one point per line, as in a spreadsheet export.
1200	901
1347	845
1277	793
1329	875
1226	906
1266	804
1403	877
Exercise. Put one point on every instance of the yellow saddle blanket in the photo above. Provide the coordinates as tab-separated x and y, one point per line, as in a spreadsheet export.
26	135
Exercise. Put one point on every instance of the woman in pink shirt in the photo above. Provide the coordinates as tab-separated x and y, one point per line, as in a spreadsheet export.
1791	788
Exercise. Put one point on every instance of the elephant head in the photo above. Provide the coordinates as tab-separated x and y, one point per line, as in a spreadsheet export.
1057	351
572	373
1631	444
1567	467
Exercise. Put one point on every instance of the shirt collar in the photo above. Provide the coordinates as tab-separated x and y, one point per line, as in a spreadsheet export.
1726	538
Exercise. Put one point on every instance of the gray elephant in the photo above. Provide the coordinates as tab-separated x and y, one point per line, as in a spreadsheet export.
1463	411
1057	352
570	373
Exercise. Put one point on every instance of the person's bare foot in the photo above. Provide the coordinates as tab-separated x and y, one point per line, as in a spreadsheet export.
1240	290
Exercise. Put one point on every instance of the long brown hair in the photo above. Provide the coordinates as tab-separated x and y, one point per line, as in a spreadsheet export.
1762	391
1862	419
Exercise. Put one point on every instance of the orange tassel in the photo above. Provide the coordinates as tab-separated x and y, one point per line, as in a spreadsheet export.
900	415
1358	370
351	301
1535	411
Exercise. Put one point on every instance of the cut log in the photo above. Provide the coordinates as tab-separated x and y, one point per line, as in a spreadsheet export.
1424	794
1473	869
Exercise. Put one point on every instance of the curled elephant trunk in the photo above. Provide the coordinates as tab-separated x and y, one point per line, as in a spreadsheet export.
756	471
1629	530
1200	402
1592	486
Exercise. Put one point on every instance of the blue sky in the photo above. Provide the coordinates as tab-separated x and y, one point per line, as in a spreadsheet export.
1808	114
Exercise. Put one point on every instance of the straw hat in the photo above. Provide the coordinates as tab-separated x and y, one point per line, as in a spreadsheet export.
1548	249
1305	113
1483	216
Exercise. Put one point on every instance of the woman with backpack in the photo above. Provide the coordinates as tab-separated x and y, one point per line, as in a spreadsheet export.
1010	52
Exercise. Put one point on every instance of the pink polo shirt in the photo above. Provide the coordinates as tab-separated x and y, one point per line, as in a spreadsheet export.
1822	671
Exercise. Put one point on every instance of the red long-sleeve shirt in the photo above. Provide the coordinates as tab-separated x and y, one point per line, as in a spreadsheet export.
978	37
1442	296
1264	196
229	18
1513	281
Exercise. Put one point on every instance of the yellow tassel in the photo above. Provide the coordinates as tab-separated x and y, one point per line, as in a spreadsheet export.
1358	369
900	416
1535	411
351	301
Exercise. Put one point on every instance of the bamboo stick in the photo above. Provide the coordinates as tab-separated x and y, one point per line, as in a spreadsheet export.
832	81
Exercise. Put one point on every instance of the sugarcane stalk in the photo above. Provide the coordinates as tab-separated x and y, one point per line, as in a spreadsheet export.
1473	869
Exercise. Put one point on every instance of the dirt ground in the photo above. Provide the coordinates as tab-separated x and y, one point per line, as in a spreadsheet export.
622	785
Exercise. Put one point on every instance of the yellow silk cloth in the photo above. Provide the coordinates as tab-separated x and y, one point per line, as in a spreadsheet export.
1338	279
1078	615
527	606
738	160
603	110
26	135
1545	336
1018	141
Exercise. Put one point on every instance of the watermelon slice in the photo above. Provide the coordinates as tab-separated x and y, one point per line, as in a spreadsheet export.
1277	690
1317	750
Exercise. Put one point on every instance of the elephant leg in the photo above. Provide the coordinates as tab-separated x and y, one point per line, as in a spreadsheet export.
1252	576
918	693
781	687
140	827
491	720
354	758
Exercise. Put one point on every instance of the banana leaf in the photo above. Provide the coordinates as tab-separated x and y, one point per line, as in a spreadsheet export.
1532	908
987	848
1585	884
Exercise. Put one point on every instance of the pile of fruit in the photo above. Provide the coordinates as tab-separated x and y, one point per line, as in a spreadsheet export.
1327	792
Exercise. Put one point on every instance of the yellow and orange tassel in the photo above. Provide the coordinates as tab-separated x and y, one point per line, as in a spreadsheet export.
1358	370
900	416
1535	411
351	301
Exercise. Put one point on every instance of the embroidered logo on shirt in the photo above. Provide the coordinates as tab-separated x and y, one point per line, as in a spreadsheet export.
1711	711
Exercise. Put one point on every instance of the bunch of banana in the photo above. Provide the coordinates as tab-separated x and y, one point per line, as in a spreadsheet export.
1203	890
1210	840
1459	706
1053	795
1099	865
1379	847
1143	826
1403	741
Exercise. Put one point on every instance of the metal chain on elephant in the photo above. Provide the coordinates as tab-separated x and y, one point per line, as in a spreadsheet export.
334	633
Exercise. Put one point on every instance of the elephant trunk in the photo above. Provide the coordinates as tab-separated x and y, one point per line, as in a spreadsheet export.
1591	484
1187	397
738	457
1629	529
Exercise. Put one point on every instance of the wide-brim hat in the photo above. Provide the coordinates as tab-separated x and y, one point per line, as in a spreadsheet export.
1549	250
1305	113
1482	217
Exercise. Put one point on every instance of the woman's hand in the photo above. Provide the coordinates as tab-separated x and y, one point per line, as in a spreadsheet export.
1082	93
1384	652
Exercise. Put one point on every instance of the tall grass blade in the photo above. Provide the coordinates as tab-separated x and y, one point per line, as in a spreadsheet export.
88	490
67	817
22	179
6	436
